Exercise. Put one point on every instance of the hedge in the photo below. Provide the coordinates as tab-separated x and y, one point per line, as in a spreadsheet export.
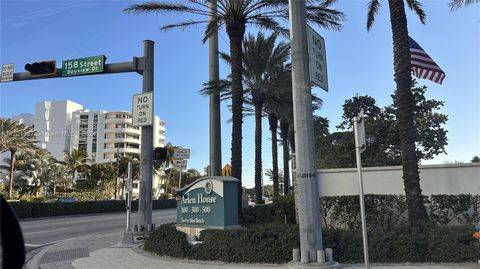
273	243
383	212
25	210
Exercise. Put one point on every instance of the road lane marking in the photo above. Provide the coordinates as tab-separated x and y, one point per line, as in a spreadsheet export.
47	231
32	245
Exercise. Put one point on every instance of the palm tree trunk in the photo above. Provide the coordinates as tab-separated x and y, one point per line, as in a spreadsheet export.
235	34
273	123
286	156
258	154
401	54
10	173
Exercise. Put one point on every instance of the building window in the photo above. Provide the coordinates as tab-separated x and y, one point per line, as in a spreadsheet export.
82	147
119	145
83	116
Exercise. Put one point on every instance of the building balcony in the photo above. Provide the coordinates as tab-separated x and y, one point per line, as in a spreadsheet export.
121	150
121	140
118	120
122	130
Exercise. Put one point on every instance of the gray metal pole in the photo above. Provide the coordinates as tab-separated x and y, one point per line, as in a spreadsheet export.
215	127
129	192
308	198
146	156
360	191
180	179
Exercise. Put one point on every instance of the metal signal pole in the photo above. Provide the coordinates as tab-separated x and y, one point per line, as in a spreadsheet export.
146	158
308	201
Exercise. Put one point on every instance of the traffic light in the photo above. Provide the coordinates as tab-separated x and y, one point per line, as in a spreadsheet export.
40	69
160	154
117	167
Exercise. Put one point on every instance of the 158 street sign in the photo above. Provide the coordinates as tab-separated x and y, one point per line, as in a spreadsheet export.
82	66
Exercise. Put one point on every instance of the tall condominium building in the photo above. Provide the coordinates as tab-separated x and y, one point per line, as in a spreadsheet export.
108	135
62	126
53	125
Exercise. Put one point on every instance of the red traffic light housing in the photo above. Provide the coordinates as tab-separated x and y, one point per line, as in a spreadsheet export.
160	154
40	69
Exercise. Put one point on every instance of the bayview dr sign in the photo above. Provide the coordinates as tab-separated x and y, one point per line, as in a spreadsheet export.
142	109
83	66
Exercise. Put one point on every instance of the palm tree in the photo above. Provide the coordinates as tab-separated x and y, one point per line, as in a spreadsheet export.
58	175
403	95
263	64
264	76
235	15
15	137
456	4
76	161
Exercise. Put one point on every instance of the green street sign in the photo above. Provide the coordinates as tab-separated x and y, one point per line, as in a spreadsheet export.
83	66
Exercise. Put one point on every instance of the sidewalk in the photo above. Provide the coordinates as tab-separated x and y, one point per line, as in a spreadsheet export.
103	251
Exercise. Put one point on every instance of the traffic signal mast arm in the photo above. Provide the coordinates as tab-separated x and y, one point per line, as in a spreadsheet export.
136	65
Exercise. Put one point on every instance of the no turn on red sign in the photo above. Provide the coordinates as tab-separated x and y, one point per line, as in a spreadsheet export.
142	109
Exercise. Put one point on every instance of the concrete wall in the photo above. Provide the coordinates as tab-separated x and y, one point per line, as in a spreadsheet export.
434	179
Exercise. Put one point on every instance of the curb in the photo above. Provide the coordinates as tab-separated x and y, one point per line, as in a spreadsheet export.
33	262
138	248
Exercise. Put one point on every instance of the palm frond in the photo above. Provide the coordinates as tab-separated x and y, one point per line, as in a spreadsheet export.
212	27
182	25
324	17
373	7
163	7
456	4
268	23
417	7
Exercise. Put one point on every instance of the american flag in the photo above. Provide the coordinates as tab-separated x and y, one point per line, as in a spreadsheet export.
422	65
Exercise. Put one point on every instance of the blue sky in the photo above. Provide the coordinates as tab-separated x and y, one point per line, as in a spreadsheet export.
359	62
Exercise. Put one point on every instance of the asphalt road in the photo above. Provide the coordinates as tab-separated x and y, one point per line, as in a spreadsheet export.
41	232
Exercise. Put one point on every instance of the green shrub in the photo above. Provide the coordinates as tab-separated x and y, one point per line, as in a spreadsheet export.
284	209
86	195
462	208
167	241
23	210
273	243
38	210
383	212
434	244
257	215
